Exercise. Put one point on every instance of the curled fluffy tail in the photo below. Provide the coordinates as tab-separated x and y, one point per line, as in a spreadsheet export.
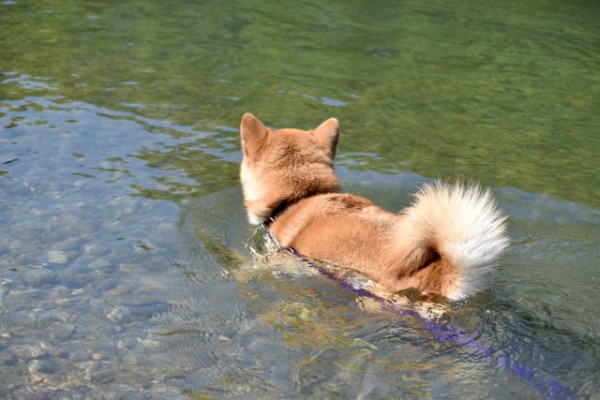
462	227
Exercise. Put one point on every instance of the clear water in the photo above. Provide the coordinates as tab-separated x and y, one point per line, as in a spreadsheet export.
124	271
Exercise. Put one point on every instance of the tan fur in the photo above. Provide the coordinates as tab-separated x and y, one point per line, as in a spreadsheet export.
446	243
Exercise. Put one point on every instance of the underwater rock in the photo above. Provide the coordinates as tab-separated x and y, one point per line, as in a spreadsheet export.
58	257
39	276
120	314
96	250
40	370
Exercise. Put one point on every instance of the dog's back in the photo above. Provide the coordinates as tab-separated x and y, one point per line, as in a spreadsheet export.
446	243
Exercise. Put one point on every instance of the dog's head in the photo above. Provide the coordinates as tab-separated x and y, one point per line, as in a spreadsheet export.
285	165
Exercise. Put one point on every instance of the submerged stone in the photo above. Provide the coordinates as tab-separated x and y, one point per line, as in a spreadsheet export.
39	276
58	257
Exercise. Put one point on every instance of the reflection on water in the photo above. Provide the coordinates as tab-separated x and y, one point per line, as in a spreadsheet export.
124	267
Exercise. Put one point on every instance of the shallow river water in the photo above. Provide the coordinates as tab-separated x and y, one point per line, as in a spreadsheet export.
126	269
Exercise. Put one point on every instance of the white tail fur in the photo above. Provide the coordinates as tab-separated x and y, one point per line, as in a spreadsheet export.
463	225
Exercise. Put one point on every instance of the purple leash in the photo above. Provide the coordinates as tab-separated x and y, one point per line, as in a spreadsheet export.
448	333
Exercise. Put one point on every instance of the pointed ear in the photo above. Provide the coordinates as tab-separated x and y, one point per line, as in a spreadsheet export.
253	134
327	135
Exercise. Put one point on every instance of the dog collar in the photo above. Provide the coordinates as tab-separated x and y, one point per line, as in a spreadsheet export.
278	211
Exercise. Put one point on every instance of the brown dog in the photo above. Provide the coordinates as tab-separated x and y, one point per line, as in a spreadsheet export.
446	243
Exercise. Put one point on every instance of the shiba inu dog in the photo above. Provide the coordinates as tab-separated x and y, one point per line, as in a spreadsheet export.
447	242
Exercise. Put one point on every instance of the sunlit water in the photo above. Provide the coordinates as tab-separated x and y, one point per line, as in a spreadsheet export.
126	268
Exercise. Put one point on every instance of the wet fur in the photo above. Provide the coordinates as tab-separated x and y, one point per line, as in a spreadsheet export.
447	242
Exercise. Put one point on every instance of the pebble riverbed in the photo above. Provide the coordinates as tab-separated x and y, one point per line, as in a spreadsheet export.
75	308
83	260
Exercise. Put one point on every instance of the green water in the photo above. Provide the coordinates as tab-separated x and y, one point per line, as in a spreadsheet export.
505	93
118	134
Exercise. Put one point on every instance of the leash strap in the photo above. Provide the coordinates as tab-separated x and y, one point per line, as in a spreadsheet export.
444	332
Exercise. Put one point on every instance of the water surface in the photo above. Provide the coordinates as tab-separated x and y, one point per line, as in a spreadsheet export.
124	265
